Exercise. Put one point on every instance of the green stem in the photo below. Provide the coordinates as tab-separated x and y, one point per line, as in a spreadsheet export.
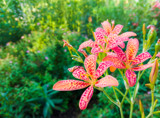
115	94
131	109
124	96
156	112
101	89
121	111
121	93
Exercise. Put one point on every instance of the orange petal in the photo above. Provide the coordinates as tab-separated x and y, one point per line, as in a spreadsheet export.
102	68
107	27
117	29
131	76
143	67
107	81
141	58
69	85
132	48
90	64
115	60
85	98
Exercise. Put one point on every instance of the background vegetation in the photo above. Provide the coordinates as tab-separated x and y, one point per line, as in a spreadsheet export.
32	57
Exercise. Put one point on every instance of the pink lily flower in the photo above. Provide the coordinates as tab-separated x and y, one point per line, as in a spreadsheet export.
158	55
129	60
107	38
89	78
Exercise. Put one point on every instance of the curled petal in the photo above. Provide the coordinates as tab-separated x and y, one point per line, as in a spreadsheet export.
72	69
122	45
80	74
117	29
85	98
101	30
128	34
69	85
107	81
83	52
132	49
158	55
90	64
107	27
131	76
102	68
143	67
121	55
99	37
85	44
115	60
96	50
141	58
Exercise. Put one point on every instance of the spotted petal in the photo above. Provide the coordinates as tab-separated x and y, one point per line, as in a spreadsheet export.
90	64
101	30
96	50
141	58
113	41
85	98
99	37
132	48
107	81
107	27
102	68
121	55
69	85
131	76
80	74
143	67
85	44
128	34
115	60
117	29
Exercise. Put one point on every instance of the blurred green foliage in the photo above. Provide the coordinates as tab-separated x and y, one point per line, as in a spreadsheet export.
32	58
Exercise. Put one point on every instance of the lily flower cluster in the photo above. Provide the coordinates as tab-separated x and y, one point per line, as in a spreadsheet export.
110	42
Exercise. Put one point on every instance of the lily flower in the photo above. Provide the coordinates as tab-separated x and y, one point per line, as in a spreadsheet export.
129	60
158	55
107	38
89	78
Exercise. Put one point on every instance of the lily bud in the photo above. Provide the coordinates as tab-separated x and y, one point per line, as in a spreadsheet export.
154	72
113	23
157	46
112	68
144	29
151	35
66	43
148	85
90	19
141	109
77	58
